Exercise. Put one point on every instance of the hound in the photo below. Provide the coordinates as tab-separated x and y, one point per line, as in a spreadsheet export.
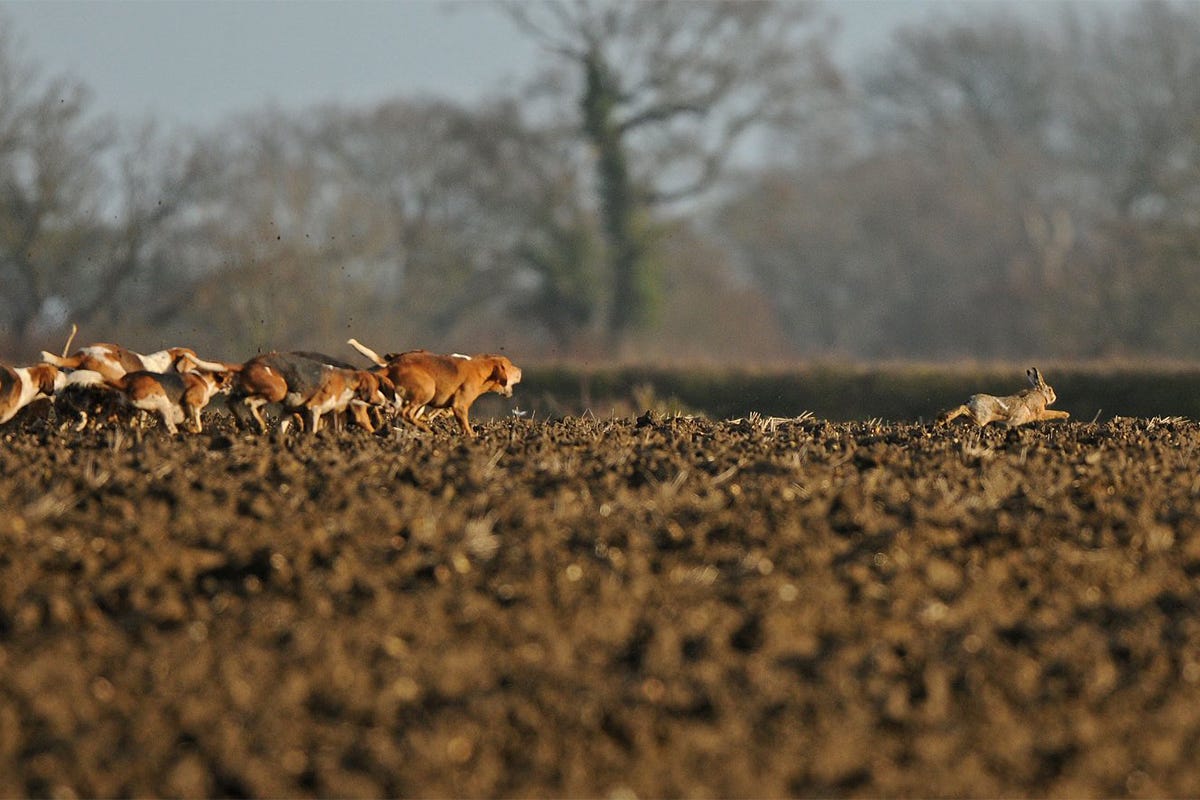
177	397
302	382
20	386
85	395
112	360
424	379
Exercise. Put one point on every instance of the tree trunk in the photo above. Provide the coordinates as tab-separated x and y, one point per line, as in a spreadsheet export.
632	296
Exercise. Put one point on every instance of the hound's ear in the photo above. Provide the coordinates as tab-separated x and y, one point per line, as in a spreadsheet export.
499	375
48	380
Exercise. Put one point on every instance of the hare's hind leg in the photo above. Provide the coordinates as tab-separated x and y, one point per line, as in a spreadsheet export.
952	414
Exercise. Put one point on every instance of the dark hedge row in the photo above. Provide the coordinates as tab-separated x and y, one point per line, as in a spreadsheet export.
849	393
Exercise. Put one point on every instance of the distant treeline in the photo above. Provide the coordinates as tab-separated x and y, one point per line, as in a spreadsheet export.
891	393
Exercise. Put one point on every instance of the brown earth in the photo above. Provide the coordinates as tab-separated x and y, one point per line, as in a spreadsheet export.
661	607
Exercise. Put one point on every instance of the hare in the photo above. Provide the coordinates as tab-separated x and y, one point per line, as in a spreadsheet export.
1028	405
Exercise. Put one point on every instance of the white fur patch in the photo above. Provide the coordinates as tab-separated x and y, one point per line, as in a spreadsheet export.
157	362
29	390
85	377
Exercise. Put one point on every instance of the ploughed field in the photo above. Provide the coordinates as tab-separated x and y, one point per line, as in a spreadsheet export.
580	607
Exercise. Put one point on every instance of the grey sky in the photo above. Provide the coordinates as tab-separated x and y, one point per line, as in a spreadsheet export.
195	63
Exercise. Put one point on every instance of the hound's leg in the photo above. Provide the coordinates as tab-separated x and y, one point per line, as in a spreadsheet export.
411	415
254	404
193	413
288	420
193	400
462	415
168	417
235	408
361	412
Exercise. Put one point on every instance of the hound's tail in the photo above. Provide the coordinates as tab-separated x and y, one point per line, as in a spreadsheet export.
366	351
62	362
71	338
208	366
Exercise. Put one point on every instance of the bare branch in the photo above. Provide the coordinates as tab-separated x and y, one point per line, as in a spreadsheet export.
560	43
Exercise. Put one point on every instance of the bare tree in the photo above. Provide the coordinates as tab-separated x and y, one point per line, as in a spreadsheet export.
416	223
50	191
85	210
972	105
1133	107
1132	100
665	91
484	211
1032	189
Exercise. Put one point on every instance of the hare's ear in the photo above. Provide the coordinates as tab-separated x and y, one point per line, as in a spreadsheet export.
1035	377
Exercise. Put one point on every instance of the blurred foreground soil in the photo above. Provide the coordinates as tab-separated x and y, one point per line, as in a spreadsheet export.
658	607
